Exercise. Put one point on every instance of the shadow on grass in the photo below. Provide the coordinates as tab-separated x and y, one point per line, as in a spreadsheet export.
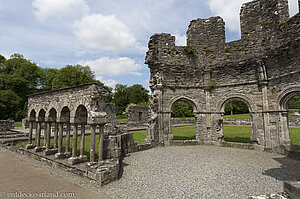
238	139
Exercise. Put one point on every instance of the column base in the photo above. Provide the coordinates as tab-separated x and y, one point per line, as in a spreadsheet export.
61	155
30	146
38	149
77	160
50	152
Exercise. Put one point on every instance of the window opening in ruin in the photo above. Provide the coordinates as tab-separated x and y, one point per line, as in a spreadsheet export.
140	116
294	120
293	7
237	122
183	121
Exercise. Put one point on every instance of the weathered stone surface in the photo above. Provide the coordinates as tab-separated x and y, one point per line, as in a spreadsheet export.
261	70
5	125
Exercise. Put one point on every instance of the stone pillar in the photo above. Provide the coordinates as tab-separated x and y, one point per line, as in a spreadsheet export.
47	136
82	140
74	145
92	146
30	145
67	138
60	139
38	134
55	135
101	138
30	132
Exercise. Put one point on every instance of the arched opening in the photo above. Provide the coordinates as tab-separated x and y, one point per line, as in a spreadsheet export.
183	125
237	121
32	116
294	120
65	115
81	116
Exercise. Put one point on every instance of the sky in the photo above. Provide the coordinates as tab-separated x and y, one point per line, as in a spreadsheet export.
110	36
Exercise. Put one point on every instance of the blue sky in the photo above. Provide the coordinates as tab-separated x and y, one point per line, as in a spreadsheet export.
110	36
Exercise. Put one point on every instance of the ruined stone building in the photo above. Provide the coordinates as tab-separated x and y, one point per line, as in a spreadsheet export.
261	70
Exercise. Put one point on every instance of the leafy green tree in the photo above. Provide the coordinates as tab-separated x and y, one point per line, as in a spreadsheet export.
236	107
125	95
73	75
10	104
294	103
182	109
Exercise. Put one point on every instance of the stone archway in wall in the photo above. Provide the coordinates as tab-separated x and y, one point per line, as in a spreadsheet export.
171	104
282	106
252	110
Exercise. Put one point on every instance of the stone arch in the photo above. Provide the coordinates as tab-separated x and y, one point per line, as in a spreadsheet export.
42	115
81	115
185	99
285	95
32	115
167	117
251	107
65	114
282	107
52	115
236	97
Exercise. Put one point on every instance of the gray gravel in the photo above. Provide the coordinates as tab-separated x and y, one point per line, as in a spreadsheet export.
202	172
192	172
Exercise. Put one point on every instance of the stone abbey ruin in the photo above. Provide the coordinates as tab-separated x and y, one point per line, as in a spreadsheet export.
262	69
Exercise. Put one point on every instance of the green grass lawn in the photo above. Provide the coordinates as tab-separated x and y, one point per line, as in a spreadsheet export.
122	119
18	124
245	116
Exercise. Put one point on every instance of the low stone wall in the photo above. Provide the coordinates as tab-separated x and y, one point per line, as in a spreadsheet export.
178	121
5	125
240	122
294	121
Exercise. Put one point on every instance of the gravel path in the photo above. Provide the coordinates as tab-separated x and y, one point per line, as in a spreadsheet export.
202	172
190	172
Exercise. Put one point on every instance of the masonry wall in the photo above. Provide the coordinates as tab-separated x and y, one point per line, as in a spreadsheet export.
261	69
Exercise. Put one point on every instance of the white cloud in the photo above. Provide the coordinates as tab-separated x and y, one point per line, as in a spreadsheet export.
293	7
59	9
97	31
113	67
229	10
180	40
110	82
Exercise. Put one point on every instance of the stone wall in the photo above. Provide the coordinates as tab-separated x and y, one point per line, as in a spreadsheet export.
5	125
261	70
137	116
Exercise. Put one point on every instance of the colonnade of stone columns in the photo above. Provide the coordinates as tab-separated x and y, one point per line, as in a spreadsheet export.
61	129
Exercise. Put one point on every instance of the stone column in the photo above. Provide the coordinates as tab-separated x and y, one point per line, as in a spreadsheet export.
67	138
55	135
48	135
82	140
60	139
92	146
74	145
101	138
38	134
30	132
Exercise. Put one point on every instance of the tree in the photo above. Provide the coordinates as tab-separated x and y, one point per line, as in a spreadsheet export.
182	109
236	107
125	95
73	75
